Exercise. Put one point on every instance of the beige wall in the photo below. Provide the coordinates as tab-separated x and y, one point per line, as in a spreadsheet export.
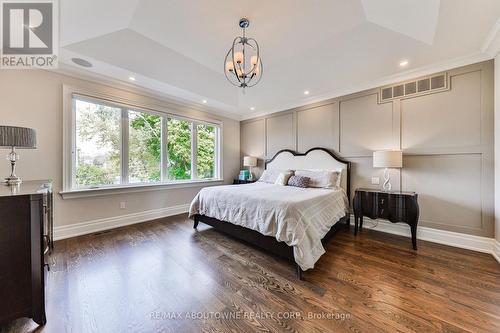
447	139
35	99
497	147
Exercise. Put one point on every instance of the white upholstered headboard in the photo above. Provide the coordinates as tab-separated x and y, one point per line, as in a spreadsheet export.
315	158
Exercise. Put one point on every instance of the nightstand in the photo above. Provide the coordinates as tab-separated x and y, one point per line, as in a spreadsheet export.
394	206
239	181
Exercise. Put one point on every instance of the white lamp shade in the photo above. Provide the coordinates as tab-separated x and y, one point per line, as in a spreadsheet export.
388	159
249	161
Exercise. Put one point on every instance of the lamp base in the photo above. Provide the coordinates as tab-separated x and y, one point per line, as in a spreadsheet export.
387	187
12	180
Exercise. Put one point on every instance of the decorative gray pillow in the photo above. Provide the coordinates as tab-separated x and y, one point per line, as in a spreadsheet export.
299	181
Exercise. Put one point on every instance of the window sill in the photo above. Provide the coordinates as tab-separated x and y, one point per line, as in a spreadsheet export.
123	189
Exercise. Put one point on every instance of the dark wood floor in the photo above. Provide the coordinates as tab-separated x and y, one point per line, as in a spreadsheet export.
143	277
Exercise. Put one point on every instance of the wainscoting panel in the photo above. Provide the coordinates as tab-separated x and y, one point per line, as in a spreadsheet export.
365	125
280	134
449	188
253	141
446	138
362	173
447	119
318	127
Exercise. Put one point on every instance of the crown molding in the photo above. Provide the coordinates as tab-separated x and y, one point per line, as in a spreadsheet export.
179	102
491	44
491	47
388	80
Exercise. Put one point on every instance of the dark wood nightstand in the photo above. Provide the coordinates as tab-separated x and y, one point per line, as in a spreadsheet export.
394	206
239	181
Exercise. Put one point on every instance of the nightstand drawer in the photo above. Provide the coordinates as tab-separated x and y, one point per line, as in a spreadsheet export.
382	200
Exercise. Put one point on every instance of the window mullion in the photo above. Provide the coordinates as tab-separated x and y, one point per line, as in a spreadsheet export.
217	173
194	149
124	147
164	149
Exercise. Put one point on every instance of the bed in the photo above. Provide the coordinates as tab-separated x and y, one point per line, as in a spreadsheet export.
287	221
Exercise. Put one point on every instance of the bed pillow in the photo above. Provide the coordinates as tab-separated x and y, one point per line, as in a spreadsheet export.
299	181
321	178
283	178
270	176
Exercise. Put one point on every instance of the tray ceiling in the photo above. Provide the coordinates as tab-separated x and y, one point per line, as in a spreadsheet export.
177	48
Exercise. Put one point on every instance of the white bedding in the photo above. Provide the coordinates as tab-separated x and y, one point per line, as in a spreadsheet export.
300	217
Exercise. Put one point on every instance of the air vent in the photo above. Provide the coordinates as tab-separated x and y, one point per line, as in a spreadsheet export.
387	93
410	88
426	85
437	82
398	91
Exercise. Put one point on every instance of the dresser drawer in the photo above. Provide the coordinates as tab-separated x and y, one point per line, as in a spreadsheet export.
382	204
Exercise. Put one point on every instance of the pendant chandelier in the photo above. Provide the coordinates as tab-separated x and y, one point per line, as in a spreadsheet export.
243	65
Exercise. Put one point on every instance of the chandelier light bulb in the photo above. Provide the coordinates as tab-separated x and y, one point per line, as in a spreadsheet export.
238	57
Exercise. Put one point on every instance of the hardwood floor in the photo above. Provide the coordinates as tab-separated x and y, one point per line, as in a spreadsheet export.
153	276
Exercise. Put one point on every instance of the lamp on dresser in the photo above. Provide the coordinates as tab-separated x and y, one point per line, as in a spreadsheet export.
250	161
12	137
387	159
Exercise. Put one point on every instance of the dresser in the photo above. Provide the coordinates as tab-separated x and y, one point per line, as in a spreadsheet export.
394	206
26	219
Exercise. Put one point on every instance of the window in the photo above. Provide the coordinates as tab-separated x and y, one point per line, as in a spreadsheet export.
179	149
205	153
144	152
115	144
98	143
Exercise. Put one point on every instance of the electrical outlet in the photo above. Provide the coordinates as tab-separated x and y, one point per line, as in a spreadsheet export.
123	205
375	181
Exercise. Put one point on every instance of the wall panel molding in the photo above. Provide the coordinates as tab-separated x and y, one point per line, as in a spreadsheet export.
449	127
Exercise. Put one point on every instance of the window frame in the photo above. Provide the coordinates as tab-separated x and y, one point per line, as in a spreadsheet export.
70	190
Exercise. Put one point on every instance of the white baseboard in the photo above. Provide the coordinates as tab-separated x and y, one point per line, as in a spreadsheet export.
89	227
496	250
464	241
456	239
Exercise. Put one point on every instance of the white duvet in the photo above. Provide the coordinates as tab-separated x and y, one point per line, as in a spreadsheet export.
300	217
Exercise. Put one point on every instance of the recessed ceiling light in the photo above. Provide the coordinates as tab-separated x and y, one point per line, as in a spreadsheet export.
306	92
403	63
81	62
131	78
252	108
204	101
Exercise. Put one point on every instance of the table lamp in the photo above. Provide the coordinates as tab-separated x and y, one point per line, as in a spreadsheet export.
387	159
12	137
250	161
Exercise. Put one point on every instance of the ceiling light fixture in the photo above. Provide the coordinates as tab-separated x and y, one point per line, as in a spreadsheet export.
403	63
252	108
204	101
81	62
306	92
243	65
131	78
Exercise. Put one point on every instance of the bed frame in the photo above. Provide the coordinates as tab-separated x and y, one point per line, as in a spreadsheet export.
315	158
